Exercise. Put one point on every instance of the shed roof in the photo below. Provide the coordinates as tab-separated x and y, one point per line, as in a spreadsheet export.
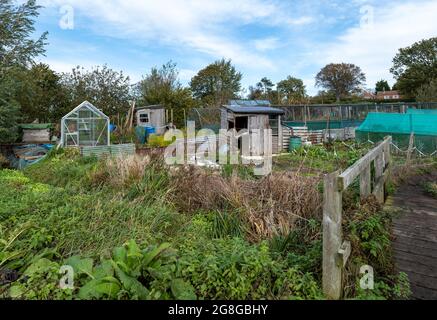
35	126
152	107
255	110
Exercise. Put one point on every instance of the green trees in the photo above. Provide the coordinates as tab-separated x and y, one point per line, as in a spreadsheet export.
415	66
291	90
217	83
108	89
17	46
428	92
41	95
382	85
17	51
162	86
342	79
264	90
288	91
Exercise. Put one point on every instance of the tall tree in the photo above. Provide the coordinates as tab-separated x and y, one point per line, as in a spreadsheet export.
266	86
109	90
17	51
291	90
217	83
382	85
264	90
17	47
41	95
428	92
343	79
162	86
415	66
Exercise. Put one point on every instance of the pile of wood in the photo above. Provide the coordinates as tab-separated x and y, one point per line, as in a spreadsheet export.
314	137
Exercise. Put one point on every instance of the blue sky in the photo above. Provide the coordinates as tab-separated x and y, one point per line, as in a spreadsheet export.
263	38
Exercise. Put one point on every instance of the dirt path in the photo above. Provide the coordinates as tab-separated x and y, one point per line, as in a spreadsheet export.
415	230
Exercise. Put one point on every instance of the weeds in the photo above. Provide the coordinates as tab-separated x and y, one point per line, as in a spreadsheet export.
431	189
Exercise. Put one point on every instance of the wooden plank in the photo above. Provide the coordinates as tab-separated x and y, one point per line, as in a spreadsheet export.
348	177
332	237
379	178
365	183
344	253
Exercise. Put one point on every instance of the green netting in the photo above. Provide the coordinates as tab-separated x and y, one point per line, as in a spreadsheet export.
400	126
422	111
322	125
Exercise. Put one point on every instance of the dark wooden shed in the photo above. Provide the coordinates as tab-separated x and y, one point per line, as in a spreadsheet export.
252	117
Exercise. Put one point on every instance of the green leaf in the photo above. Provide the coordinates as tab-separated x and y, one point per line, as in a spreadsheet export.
150	256
100	288
81	266
105	269
120	254
40	266
131	284
183	290
16	291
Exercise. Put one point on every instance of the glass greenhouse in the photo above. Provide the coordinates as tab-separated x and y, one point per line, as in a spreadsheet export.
85	126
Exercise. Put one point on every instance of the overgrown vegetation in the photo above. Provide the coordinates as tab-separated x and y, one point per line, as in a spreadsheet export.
431	189
135	229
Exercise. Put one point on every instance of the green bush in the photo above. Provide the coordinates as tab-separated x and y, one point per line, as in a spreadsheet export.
233	269
155	141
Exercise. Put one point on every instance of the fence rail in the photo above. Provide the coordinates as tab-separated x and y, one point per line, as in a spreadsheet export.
335	251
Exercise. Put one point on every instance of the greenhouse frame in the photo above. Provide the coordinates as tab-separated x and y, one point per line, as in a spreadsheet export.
85	126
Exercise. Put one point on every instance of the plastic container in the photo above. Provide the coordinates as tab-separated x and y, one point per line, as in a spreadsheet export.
112	128
295	143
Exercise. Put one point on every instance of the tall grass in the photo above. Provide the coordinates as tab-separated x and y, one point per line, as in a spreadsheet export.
270	206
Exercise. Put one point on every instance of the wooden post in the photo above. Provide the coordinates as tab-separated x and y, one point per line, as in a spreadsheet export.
365	183
410	148
332	237
379	178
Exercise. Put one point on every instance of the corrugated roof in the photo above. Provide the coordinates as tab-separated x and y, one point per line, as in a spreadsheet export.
255	110
249	103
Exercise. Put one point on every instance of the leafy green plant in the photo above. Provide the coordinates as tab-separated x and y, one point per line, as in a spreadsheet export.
431	188
156	141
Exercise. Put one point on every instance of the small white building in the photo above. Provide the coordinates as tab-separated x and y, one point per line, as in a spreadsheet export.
151	116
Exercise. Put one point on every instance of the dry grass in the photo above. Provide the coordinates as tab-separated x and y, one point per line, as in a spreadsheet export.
121	172
270	206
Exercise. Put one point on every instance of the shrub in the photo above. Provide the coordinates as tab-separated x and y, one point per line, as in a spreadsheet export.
232	269
155	141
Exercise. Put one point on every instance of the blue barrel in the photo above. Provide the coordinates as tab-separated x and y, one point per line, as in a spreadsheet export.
295	143
149	131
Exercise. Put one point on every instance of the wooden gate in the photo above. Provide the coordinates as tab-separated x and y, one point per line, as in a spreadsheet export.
335	251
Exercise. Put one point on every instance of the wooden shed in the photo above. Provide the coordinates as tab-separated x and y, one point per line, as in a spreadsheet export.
254	117
151	116
36	133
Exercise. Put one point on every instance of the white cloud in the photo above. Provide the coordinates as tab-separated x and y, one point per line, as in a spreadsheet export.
204	26
266	44
373	48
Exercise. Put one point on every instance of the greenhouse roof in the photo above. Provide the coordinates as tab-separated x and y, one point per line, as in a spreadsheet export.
89	106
